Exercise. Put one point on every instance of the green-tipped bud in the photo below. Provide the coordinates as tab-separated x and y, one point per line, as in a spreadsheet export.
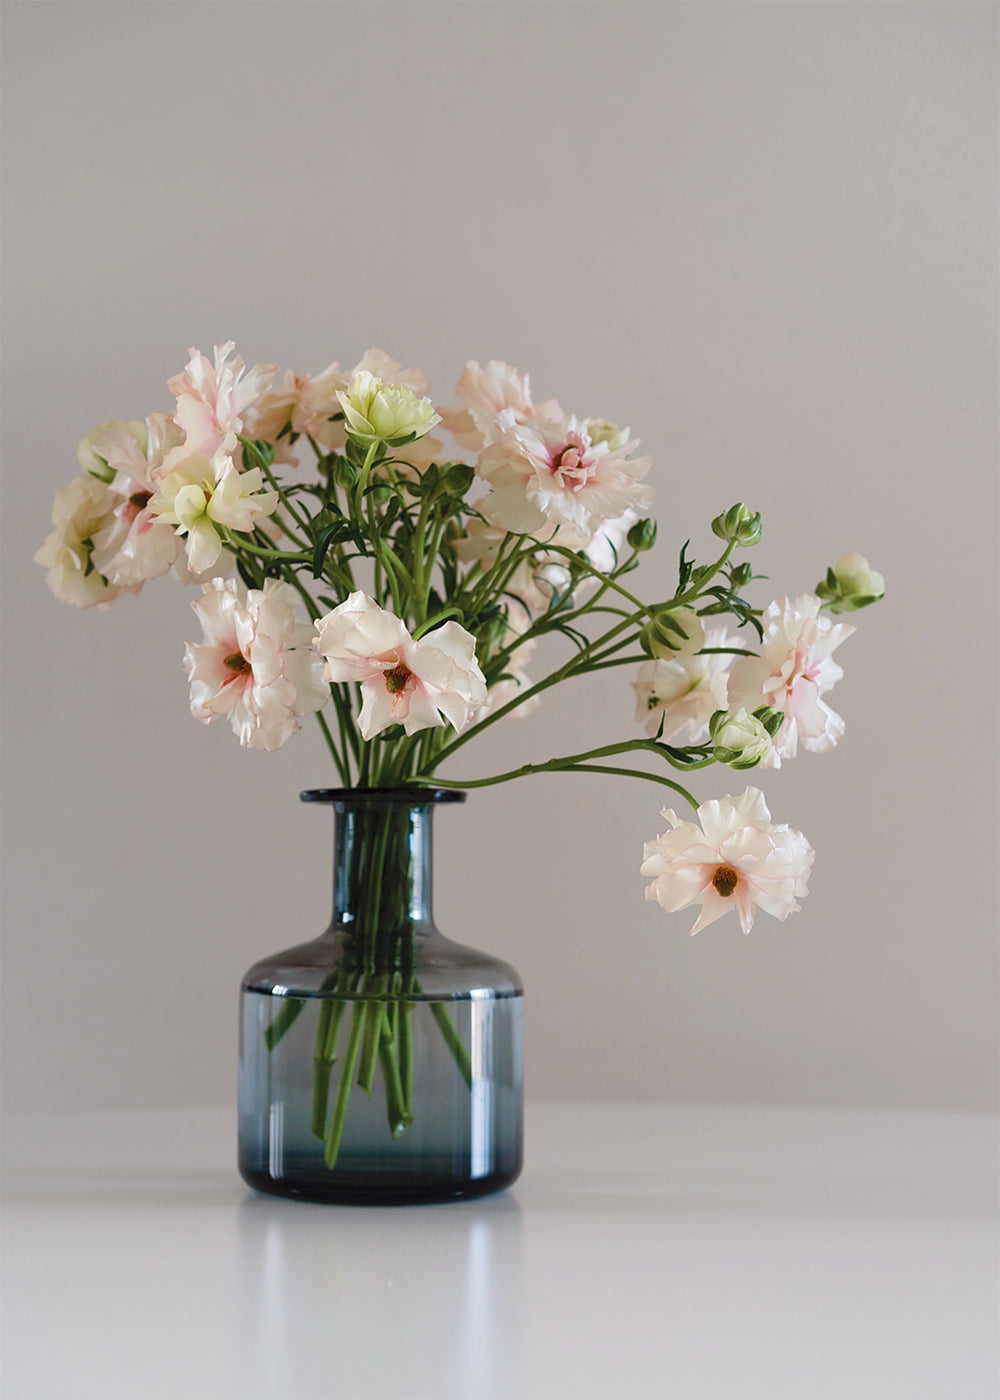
851	584
671	633
603	430
92	450
740	575
740	739
344	471
738	525
642	535
771	719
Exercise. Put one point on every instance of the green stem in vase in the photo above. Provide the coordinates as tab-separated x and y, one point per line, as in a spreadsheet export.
331	1013
336	1130
453	1040
283	1020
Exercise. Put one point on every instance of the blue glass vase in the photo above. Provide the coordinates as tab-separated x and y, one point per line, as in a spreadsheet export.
381	1062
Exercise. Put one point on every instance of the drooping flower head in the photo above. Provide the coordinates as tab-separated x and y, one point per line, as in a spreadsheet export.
736	859
683	692
133	546
403	681
256	665
79	512
795	668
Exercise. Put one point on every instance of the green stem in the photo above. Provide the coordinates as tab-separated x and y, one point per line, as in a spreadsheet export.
336	1129
283	1020
453	1040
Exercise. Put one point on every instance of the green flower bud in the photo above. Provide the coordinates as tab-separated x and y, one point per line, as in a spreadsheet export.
642	535
851	584
772	720
740	740
738	525
672	632
603	430
740	575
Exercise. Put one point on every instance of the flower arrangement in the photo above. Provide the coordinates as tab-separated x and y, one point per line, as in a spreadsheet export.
399	593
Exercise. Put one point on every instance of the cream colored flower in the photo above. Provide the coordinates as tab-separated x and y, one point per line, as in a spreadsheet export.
795	668
486	393
196	502
740	740
133	547
736	859
256	665
380	412
684	692
403	681
79	512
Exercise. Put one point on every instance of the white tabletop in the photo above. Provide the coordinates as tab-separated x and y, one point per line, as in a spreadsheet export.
648	1251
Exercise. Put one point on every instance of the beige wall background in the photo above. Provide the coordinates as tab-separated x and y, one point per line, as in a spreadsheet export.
763	234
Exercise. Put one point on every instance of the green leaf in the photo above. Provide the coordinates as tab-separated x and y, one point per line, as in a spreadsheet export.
339	530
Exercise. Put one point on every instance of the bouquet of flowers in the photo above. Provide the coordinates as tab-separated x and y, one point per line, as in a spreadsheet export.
398	592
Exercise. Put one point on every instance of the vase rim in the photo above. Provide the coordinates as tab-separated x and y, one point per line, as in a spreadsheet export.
411	795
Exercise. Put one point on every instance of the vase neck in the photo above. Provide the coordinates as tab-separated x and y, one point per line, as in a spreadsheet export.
382	866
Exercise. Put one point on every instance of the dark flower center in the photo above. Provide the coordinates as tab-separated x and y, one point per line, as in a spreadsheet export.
237	662
397	678
140	499
725	880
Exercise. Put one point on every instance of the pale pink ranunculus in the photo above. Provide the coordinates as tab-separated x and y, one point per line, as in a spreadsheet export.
795	668
133	546
304	404
216	401
684	692
548	475
407	682
736	859
79	512
486	393
257	663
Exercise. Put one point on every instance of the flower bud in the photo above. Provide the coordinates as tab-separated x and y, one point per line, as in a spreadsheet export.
851	584
642	535
603	430
552	580
740	740
672	633
740	575
738	525
378	412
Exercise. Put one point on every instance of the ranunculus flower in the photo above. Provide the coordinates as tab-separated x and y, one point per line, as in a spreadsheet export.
79	512
90	452
740	740
407	682
736	859
380	412
548	475
684	691
795	668
215	402
486	393
195	500
133	546
257	664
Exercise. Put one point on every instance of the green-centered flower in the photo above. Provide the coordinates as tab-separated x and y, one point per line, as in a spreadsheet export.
378	412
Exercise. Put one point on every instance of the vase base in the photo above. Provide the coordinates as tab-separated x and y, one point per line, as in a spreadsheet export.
386	1189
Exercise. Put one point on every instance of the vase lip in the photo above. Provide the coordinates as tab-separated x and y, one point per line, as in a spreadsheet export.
413	795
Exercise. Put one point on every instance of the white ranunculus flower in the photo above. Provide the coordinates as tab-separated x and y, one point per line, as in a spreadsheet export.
79	512
736	859
407	682
792	673
380	412
92	452
216	401
256	665
684	692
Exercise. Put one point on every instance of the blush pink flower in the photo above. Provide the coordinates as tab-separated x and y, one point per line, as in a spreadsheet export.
403	681
792	673
683	692
736	859
133	546
549	475
216	401
256	665
486	393
79	512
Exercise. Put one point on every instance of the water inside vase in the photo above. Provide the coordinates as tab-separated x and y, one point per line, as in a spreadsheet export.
464	1066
